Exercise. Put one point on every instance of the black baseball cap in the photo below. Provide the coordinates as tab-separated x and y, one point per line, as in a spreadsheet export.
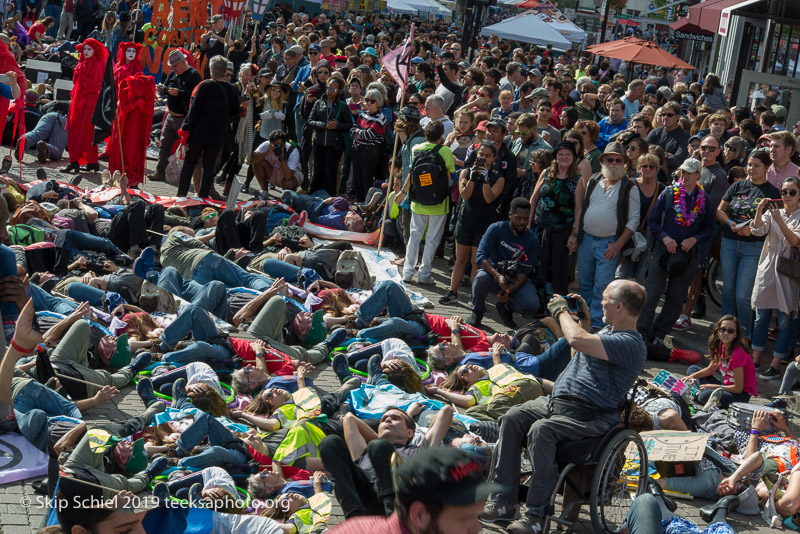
497	123
446	475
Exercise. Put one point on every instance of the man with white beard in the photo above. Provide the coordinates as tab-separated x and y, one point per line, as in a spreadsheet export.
609	217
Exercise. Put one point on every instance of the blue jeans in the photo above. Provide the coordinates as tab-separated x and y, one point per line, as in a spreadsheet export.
275	268
199	351
52	129
34	407
391	296
191	319
312	204
44	301
215	267
644	517
218	437
595	273
52	10
727	398
739	262
761	330
8	267
524	300
76	241
211	296
85	293
163	382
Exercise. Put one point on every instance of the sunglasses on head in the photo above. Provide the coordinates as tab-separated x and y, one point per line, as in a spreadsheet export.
210	216
789	192
726	330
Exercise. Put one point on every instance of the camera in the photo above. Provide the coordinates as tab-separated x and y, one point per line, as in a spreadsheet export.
277	150
510	269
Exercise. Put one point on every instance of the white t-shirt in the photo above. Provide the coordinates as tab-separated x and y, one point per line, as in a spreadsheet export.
397	349
293	162
197	372
600	219
448	124
216	477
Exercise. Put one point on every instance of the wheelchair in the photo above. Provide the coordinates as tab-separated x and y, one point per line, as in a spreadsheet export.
595	472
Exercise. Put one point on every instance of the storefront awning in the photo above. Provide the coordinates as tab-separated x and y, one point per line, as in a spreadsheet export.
706	15
686	31
725	15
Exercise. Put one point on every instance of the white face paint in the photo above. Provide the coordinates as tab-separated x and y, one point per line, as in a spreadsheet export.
130	54
88	51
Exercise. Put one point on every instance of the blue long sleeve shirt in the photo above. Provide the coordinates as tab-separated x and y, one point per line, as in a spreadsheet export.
702	228
499	243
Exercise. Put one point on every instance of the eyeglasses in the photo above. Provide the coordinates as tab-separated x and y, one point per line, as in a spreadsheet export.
614	160
210	216
706	148
415	104
269	393
667	114
730	331
729	147
647	166
370	101
788	192
526	132
313	53
331	88
631	148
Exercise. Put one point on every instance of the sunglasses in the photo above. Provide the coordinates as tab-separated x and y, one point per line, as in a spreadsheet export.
647	166
729	147
463	371
370	101
614	160
313	53
667	114
726	330
526	132
415	104
706	148
483	95
631	148
269	393
788	192
210	216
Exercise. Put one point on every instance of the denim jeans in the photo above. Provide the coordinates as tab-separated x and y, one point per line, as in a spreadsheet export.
727	398
163	382
524	300
215	267
275	268
211	296
644	517
312	204
391	296
8	267
191	319
44	301
34	407
761	329
52	129
52	10
595	273
789	378
85	293
703	485
739	262
76	241
218	437
199	351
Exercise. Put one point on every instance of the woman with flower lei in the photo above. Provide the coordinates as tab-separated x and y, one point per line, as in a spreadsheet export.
681	218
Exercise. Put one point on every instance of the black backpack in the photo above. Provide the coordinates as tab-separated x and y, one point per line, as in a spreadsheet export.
430	179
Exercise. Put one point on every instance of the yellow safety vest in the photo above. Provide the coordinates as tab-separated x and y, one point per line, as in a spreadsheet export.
301	441
317	512
305	403
501	377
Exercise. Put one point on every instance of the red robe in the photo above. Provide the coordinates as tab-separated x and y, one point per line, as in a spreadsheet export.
122	71
7	63
87	79
135	102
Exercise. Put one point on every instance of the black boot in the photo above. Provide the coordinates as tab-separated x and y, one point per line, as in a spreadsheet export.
653	488
699	310
717	511
506	315
73	167
92	167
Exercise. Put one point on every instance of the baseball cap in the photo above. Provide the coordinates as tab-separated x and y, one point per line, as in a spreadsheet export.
265	72
481	127
446	475
410	113
535	72
779	111
497	123
314	47
691	165
416	60
101	441
539	92
116	353
317	332
216	17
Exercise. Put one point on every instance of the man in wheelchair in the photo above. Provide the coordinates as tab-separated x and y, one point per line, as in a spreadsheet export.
587	400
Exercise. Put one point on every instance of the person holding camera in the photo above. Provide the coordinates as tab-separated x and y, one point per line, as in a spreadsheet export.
506	256
480	187
277	162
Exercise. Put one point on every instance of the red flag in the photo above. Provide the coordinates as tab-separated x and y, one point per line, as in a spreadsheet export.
396	62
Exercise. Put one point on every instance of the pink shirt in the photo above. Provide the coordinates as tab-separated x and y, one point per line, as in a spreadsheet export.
776	177
740	358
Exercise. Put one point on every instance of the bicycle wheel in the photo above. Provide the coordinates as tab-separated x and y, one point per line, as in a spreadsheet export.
714	281
611	496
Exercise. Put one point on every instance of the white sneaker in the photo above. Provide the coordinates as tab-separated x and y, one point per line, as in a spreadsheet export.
408	277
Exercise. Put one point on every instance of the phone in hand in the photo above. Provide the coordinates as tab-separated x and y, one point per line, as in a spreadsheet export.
480	162
5	78
774	204
572	304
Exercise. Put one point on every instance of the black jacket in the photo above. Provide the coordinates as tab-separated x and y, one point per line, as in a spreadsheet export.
321	114
213	106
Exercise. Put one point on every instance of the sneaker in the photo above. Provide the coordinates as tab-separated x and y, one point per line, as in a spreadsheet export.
682	324
41	174
196	495
286	198
506	315
179	395
374	367
303	218
41	151
145	390
449	298
427	281
157	176
778	404
341	368
770	374
685	356
699	310
466	281
526	525
293	219
140	363
144	263
336	338
408	277
474	319
161	492
156	467
493	511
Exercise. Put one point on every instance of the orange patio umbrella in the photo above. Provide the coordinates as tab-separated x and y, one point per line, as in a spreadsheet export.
635	50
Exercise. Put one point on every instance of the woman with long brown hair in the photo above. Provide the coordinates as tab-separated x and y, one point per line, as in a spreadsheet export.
728	353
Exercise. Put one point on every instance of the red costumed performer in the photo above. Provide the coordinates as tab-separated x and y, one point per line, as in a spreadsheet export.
7	64
87	81
135	101
128	65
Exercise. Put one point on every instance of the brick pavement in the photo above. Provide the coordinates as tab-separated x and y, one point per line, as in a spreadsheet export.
18	519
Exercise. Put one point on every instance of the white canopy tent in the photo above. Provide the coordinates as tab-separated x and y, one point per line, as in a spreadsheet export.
528	29
556	20
413	7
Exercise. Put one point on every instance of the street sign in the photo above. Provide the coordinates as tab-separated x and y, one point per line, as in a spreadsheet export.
569	13
651	6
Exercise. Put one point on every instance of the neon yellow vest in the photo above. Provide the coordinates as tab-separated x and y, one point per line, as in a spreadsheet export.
317	512
305	403
501	376
301	441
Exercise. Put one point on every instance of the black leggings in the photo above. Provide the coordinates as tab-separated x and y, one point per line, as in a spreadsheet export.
129	227
209	153
326	167
233	234
366	168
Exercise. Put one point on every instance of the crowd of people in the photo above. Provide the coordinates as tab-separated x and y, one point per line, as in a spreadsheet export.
533	171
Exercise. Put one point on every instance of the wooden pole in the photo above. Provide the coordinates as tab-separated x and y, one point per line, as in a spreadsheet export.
389	185
65	377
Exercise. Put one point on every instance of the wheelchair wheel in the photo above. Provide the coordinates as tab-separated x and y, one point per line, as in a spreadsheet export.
611	497
714	281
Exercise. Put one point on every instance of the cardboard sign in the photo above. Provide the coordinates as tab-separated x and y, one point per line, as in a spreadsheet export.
38	71
674	446
670	382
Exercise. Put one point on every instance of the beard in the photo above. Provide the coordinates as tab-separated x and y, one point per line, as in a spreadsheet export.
613	174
